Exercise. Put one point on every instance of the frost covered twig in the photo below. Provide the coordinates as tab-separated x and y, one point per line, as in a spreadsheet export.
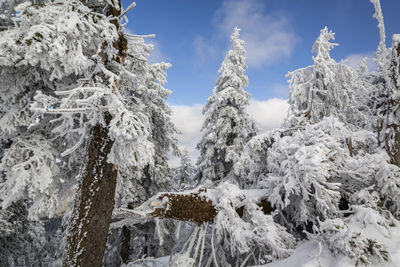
137	36
125	11
379	17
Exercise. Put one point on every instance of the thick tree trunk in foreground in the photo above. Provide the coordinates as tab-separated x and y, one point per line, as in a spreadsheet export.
91	217
94	203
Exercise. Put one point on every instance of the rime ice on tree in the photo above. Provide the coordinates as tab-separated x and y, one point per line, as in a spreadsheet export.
227	127
323	89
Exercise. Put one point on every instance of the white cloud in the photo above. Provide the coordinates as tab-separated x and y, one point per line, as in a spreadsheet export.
188	120
268	37
354	60
268	114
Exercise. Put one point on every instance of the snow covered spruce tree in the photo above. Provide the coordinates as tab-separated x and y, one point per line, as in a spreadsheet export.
387	85
186	171
138	184
61	65
384	105
227	127
135	185
323	89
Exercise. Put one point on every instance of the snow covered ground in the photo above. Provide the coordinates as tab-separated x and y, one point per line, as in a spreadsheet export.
312	254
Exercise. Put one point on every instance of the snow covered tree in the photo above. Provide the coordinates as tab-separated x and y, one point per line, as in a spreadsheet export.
186	170
227	127
135	185
384	105
60	65
391	125
323	89
150	96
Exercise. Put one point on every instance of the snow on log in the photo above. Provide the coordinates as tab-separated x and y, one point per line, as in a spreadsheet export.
197	205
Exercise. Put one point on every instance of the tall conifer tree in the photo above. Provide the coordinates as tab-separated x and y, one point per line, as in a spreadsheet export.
227	126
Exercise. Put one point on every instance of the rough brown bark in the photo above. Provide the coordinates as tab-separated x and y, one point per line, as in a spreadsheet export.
349	146
194	207
396	154
91	217
394	150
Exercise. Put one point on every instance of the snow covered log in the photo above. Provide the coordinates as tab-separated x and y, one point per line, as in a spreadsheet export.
197	205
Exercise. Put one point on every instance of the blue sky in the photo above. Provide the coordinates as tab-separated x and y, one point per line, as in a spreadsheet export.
194	37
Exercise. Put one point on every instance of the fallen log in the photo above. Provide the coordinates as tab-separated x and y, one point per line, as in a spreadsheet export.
198	205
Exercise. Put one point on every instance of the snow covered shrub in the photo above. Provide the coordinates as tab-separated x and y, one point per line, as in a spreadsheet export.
254	234
252	165
298	170
341	239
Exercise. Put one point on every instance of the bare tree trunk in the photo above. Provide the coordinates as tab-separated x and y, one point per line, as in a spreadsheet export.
396	155
91	217
394	149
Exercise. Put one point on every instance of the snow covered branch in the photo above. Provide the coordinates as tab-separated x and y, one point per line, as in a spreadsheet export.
123	13
379	17
140	36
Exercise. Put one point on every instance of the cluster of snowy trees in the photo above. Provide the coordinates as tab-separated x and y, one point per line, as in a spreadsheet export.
86	132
